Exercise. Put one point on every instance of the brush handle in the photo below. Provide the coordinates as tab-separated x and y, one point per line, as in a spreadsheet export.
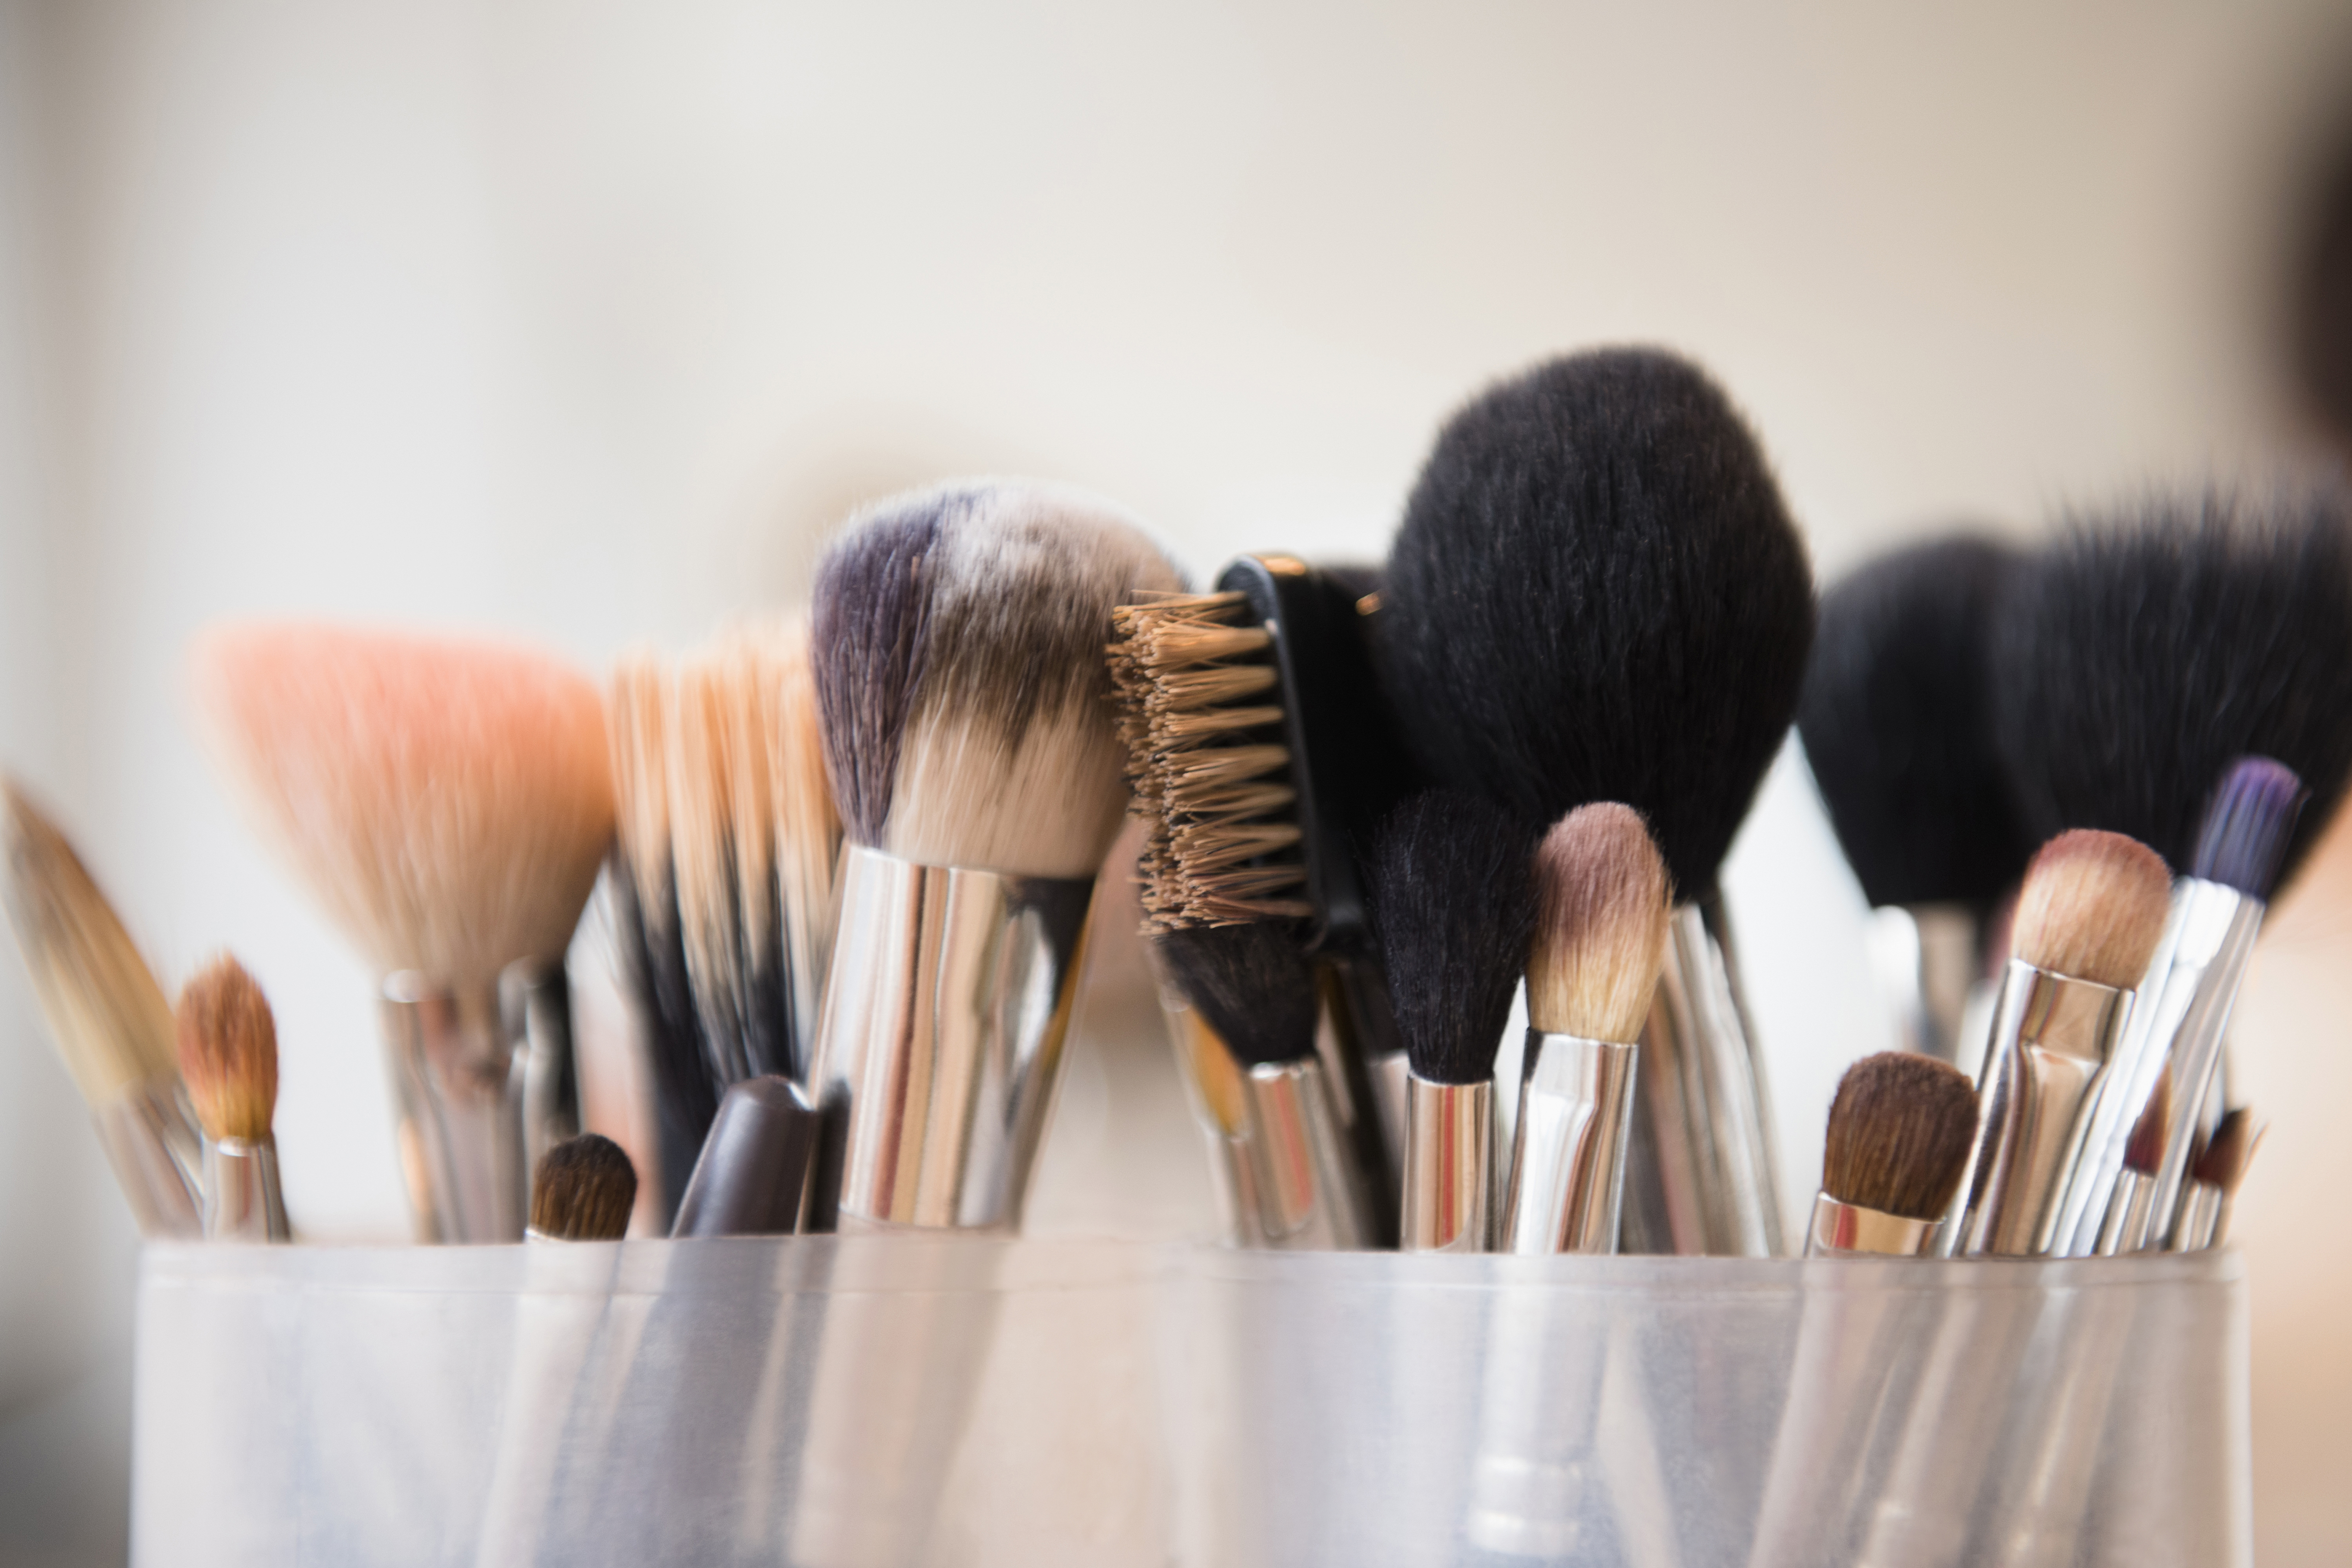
460	1116
2052	1036
535	1008
243	1200
754	1176
149	1139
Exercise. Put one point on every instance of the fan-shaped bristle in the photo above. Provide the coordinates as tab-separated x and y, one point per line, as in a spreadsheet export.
1897	724
228	1051
1602	900
2093	908
111	1019
959	673
447	801
2154	645
1899	1135
1252	982
2247	826
1597	593
1450	879
583	1191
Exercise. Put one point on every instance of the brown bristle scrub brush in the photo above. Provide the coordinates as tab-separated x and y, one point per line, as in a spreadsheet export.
448	803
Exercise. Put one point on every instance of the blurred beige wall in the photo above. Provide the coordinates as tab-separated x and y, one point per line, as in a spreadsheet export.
582	320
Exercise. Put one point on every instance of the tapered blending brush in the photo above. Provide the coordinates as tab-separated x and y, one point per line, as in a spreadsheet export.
448	802
969	737
109	1018
228	1056
2088	917
2213	1180
1601	903
1896	722
1597	593
2129	1222
1900	1131
1452	878
582	1190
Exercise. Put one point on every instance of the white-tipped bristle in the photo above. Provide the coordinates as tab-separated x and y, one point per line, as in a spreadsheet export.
1601	926
2092	907
112	1021
640	700
723	831
446	800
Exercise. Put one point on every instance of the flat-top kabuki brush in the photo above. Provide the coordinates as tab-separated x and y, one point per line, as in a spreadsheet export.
1452	877
1897	719
1601	903
228	1054
2088	917
1597	593
109	1018
1900	1131
448	802
970	737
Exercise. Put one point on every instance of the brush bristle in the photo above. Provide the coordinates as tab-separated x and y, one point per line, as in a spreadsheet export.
2246	828
583	1191
1253	983
1602	908
2152	646
1450	879
1597	593
2222	1162
2144	1150
228	1051
1899	1135
2093	908
959	637
1199	717
1896	719
447	801
112	1020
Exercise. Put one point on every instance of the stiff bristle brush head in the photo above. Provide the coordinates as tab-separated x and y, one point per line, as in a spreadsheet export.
112	1021
2151	646
2093	908
1899	1135
1597	593
1252	982
1602	910
1452	881
2248	826
583	1191
1897	719
960	674
447	800
228	1051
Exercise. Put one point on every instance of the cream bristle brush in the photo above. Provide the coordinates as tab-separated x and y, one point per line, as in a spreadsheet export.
448	802
110	1020
228	1054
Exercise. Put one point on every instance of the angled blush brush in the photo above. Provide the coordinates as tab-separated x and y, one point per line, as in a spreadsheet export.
1597	593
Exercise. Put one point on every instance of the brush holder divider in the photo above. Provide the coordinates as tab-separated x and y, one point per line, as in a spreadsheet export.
951	1399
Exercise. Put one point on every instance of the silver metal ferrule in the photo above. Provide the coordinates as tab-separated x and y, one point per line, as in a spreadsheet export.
460	1117
1449	1166
940	1037
2204	1220
1213	1087
2179	1016
242	1199
535	1010
2131	1216
1566	1187
150	1138
1925	957
2052	1036
1701	1172
1843	1229
1308	1193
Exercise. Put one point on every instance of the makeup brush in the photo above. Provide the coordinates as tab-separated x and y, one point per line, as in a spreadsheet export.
2088	917
228	1058
1895	717
969	736
1600	940
1452	877
2213	1180
1900	1131
109	1019
448	802
582	1190
2129	1222
752	1178
1597	593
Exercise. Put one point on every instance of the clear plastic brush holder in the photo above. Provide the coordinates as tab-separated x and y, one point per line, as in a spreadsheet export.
947	1400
